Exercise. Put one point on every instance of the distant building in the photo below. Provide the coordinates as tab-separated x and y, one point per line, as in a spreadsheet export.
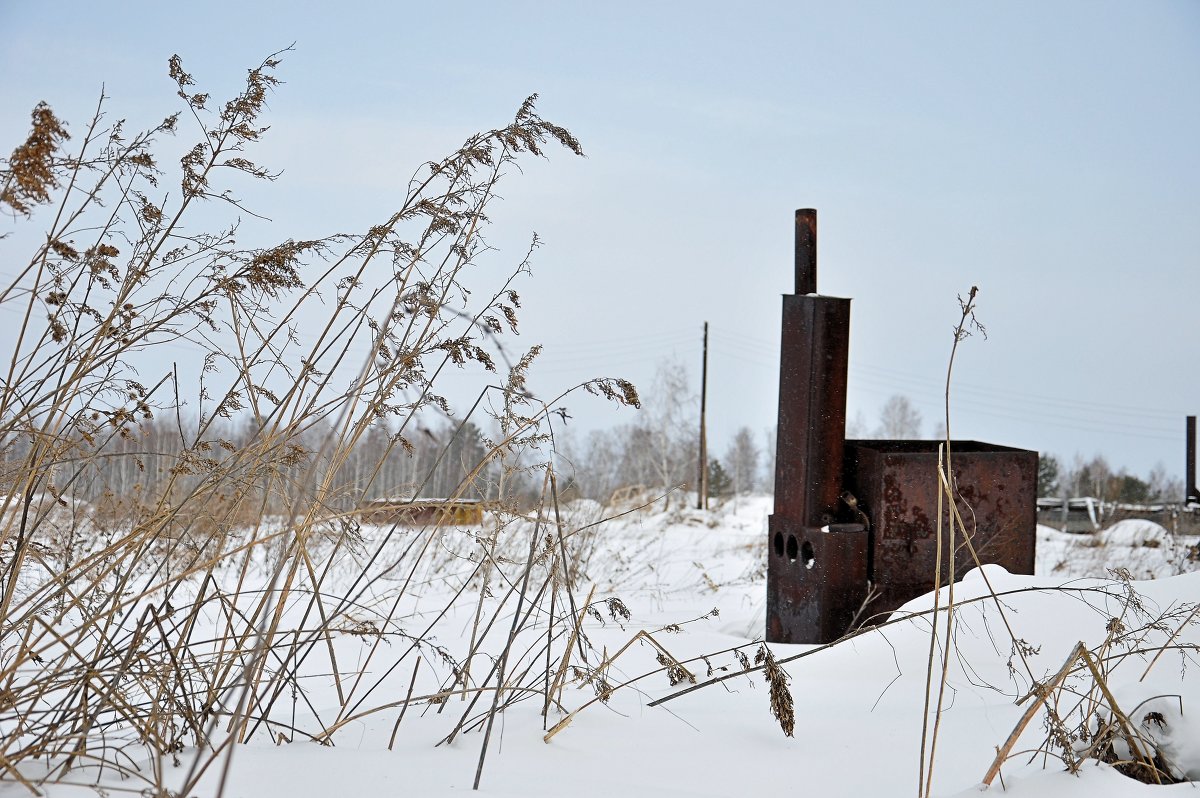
1086	514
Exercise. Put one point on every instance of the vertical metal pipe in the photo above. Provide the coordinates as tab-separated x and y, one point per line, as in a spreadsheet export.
702	477
1189	487
806	251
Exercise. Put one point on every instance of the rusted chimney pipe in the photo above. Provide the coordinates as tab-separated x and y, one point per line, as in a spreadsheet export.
812	390
817	569
806	251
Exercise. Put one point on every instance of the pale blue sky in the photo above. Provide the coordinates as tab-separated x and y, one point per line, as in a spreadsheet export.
1045	151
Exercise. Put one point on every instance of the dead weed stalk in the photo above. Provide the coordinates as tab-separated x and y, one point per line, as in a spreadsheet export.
179	569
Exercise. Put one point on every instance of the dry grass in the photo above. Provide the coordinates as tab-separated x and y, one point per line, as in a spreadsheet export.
185	608
1093	725
1082	718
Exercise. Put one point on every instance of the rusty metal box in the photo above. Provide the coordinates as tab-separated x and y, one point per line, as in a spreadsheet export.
896	485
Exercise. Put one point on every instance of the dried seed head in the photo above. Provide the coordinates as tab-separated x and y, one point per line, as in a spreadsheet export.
30	173
782	706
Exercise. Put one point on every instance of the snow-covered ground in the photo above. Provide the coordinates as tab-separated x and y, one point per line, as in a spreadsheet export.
694	583
1143	548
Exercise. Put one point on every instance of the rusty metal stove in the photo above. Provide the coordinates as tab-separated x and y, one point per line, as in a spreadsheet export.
852	514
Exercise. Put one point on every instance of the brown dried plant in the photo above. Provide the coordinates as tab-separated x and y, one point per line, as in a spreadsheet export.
184	605
781	697
34	167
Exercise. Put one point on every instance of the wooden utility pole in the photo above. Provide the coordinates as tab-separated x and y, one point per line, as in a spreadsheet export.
702	482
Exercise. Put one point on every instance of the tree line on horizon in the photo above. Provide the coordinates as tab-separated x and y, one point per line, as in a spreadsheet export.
657	451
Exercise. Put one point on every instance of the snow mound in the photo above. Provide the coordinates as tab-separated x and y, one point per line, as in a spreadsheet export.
991	570
1144	549
1136	532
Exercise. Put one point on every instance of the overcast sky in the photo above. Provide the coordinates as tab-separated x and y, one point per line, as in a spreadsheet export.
1044	151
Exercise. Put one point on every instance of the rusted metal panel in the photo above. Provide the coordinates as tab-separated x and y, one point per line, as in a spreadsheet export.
896	485
816	580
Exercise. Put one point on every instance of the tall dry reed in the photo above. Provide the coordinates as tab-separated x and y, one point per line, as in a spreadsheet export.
182	549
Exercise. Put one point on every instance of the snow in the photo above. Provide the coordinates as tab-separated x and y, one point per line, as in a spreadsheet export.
1134	532
859	704
1143	548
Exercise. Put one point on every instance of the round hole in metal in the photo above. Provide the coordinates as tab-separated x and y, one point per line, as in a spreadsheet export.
806	552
